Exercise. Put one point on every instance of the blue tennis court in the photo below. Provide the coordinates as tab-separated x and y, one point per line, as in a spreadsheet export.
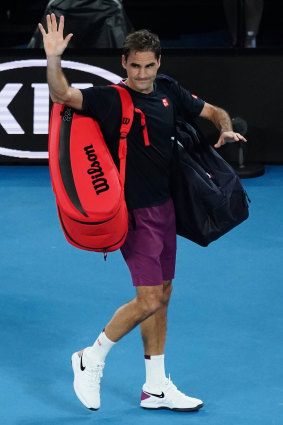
225	335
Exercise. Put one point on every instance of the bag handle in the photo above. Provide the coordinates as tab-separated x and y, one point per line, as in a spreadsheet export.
126	123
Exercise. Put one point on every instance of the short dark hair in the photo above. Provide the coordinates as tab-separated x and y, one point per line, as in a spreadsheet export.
142	41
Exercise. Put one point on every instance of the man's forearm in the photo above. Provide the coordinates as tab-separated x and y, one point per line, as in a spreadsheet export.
221	120
57	82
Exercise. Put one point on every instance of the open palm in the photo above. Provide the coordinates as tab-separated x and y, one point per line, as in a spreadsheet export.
53	40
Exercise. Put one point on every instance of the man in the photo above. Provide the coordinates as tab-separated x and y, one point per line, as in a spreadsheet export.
150	247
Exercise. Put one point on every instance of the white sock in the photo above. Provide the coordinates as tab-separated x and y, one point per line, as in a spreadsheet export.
100	348
155	372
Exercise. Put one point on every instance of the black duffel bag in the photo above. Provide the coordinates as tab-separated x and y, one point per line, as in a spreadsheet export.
94	23
208	195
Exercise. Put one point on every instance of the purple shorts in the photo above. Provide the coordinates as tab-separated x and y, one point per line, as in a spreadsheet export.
150	247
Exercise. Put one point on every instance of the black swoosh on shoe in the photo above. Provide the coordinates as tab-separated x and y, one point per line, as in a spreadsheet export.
156	395
82	367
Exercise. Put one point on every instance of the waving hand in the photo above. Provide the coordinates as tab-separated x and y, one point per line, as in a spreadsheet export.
53	39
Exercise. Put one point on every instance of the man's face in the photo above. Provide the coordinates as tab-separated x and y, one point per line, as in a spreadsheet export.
141	69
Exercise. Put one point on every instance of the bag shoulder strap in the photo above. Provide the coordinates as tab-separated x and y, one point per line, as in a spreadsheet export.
126	123
170	86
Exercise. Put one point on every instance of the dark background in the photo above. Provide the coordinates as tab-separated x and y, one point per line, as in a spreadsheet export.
197	51
179	23
247	83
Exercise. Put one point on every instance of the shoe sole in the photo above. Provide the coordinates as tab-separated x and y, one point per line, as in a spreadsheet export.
175	409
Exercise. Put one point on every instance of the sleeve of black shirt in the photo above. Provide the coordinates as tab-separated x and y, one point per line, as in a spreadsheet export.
189	106
100	103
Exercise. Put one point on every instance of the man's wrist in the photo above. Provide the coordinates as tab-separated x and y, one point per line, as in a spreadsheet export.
56	58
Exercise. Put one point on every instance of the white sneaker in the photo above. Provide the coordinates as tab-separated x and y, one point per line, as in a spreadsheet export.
87	375
170	398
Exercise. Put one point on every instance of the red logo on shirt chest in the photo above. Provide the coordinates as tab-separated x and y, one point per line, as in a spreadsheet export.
165	102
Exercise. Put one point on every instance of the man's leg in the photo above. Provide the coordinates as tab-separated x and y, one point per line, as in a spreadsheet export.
253	15
231	12
153	329
88	364
159	392
148	302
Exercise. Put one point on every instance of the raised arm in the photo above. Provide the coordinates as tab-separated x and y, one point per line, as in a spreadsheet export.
222	121
54	45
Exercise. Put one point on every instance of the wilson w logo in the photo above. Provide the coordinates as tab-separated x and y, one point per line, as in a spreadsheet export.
125	120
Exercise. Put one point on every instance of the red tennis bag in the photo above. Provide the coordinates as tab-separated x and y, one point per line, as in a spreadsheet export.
88	188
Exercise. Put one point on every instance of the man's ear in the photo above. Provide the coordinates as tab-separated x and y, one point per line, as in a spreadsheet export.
124	62
159	61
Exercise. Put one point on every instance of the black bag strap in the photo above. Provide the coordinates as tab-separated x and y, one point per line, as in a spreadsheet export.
169	85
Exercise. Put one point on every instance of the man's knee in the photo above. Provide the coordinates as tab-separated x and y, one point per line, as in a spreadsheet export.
167	290
150	299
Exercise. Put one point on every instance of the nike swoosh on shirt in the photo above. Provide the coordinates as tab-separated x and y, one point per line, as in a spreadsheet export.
82	367
156	395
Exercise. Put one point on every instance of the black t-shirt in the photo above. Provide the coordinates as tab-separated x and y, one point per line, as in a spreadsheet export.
147	180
